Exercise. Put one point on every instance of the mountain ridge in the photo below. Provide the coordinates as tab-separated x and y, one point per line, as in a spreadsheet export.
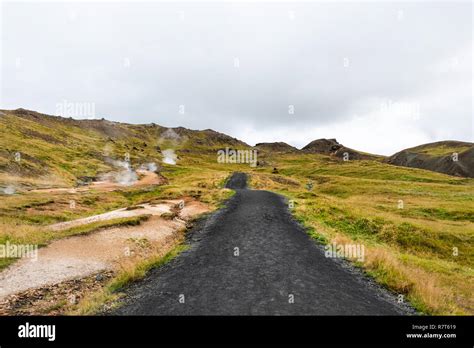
90	140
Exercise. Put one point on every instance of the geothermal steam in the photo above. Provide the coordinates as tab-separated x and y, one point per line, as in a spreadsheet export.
126	176
152	167
169	157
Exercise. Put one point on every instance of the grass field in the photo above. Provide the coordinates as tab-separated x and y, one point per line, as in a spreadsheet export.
417	226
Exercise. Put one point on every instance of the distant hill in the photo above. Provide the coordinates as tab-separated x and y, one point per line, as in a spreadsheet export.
63	151
332	147
276	147
439	157
55	150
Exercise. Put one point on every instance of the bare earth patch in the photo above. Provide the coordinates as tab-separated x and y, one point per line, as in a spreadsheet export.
146	178
53	299
80	256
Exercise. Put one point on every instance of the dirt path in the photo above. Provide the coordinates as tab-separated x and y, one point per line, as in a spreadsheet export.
83	255
279	270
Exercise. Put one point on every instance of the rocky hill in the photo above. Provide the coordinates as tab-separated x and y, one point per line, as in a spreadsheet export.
448	157
276	147
332	147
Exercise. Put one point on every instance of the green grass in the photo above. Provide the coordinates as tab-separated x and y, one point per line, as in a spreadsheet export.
439	213
409	250
441	149
100	225
140	270
94	303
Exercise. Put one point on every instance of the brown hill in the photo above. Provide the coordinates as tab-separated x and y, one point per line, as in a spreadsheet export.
276	147
332	147
448	157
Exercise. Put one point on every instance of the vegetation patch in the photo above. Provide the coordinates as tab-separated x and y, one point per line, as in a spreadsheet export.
107	297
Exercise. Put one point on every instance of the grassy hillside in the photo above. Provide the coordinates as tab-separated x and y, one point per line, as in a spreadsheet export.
441	148
449	157
56	151
417	225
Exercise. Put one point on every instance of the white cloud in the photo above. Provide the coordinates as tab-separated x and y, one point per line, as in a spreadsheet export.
139	62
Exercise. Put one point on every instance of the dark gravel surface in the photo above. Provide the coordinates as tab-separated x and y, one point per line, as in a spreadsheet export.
277	262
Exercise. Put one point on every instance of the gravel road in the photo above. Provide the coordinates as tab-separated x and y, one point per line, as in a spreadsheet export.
253	258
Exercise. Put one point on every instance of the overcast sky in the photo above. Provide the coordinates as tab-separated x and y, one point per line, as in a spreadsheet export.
378	77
